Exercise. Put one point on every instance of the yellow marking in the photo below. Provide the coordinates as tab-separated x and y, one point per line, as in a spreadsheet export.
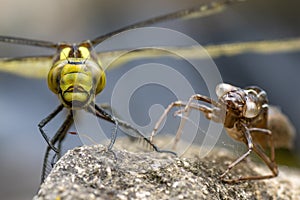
74	96
114	59
102	82
71	68
76	79
76	75
64	53
85	52
32	67
52	77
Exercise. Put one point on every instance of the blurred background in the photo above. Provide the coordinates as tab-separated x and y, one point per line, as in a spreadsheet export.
24	101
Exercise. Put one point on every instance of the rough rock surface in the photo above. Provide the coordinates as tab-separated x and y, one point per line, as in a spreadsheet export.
89	172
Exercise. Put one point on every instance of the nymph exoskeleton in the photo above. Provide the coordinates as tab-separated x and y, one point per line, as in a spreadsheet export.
244	114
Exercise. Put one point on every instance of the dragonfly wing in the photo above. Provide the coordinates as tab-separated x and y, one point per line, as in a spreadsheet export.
32	67
114	59
202	10
38	67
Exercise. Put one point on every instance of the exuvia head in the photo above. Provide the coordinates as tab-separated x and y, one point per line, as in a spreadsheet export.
243	103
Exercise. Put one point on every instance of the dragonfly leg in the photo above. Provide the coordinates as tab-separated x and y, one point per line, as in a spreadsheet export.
102	114
58	137
141	135
46	121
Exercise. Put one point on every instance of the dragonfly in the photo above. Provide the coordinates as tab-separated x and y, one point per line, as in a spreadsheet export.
76	76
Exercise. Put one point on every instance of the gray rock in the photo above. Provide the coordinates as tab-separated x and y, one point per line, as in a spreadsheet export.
89	172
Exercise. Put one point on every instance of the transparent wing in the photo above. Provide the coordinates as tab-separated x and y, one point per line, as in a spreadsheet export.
202	10
38	67
33	67
119	57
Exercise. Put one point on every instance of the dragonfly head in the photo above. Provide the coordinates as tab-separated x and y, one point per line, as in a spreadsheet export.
76	76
